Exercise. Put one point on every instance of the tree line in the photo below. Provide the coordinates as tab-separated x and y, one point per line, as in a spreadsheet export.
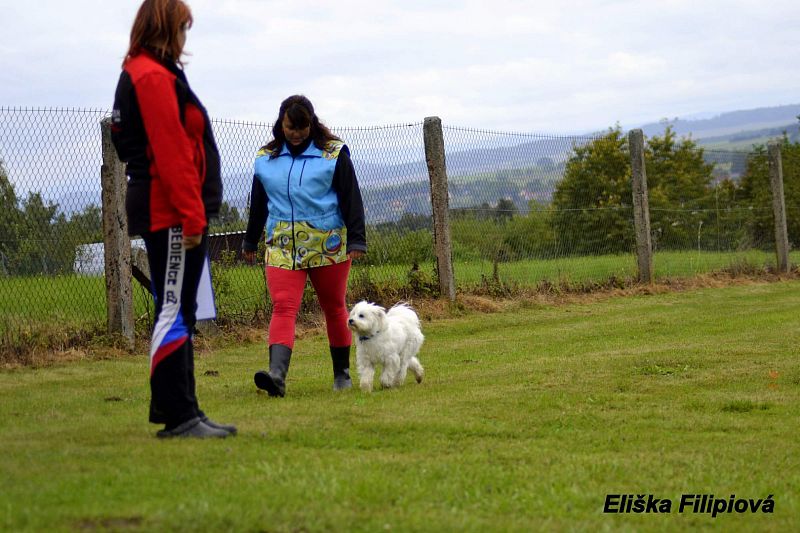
36	238
692	206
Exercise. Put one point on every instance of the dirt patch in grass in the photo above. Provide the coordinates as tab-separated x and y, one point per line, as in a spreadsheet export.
97	348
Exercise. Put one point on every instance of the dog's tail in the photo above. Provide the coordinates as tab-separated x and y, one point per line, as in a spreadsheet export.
404	311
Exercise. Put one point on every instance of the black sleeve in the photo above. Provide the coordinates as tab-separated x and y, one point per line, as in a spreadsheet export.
350	203
257	218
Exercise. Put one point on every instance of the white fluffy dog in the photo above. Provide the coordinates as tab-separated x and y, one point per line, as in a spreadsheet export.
389	338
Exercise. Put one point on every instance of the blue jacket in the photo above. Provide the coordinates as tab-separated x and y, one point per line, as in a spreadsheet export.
313	206
299	188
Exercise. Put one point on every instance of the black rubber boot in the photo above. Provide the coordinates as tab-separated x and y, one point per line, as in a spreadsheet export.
274	381
341	367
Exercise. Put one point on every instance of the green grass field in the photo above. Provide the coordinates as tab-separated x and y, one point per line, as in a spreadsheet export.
526	420
667	264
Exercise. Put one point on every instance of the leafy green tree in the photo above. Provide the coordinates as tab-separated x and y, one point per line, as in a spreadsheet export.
756	194
9	222
505	210
84	227
228	214
414	222
483	232
530	236
81	228
228	220
681	194
593	211
478	238
592	203
37	237
476	212
403	248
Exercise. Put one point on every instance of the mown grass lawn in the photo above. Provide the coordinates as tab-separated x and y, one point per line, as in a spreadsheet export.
526	420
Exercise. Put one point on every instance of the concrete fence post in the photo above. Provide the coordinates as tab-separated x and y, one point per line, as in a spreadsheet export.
778	206
434	157
641	207
117	244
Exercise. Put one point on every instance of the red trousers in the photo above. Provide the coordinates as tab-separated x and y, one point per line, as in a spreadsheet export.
286	290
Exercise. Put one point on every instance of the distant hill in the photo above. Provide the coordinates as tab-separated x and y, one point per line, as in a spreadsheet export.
767	121
485	168
744	140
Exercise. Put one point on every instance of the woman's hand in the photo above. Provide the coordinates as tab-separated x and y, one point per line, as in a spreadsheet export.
192	241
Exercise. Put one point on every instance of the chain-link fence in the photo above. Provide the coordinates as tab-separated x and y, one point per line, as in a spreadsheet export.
506	224
525	210
51	284
392	175
697	222
712	209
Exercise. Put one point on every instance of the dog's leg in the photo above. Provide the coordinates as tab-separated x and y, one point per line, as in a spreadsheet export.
416	368
401	374
366	373
391	369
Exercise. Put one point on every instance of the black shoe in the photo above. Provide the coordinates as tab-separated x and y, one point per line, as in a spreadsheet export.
194	428
341	368
274	381
225	427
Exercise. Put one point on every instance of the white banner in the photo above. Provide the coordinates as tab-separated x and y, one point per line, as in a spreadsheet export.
206	308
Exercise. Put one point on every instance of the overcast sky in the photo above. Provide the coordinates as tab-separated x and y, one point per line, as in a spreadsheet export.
565	66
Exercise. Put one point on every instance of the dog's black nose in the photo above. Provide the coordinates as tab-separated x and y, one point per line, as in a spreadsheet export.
350	321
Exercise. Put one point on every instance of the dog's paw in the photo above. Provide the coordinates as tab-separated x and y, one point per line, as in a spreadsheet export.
419	378
366	386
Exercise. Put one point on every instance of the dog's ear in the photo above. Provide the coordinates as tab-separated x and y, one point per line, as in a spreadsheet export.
380	314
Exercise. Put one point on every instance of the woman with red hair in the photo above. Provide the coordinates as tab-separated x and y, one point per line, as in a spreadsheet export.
163	134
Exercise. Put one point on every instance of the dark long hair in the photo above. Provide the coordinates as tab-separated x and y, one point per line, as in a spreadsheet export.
301	114
156	27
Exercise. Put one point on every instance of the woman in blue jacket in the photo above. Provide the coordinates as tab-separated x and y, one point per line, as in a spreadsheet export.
306	194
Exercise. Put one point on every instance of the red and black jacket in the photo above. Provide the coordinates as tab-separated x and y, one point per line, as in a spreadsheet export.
163	133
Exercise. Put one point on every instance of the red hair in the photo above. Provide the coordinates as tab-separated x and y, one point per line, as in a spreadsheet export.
157	26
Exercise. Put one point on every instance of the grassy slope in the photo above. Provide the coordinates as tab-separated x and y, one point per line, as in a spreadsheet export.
526	421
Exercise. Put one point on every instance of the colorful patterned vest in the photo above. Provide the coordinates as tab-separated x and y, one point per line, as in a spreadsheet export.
305	228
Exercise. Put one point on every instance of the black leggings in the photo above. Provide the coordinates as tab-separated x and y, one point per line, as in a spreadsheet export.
175	276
